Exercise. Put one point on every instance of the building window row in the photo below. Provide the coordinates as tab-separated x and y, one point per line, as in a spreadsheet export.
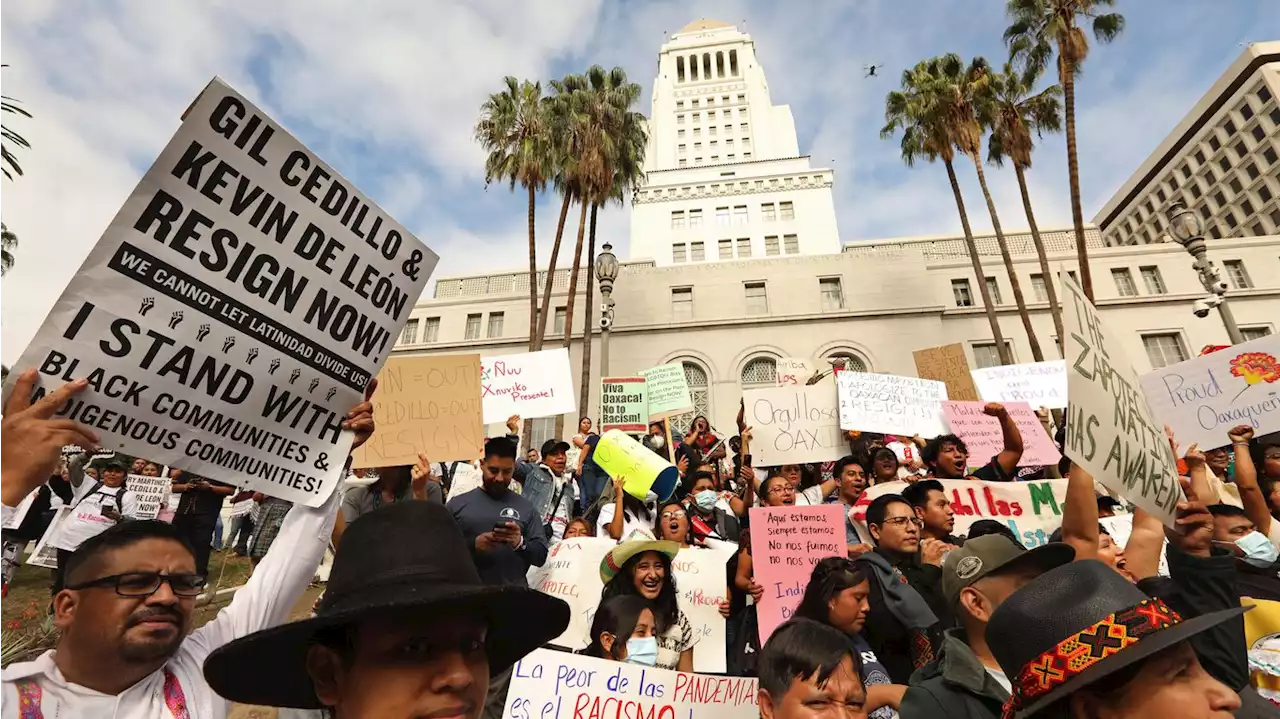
962	291
735	215
708	66
430	331
756	298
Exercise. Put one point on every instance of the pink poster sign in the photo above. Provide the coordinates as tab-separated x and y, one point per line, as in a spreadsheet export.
981	433
785	544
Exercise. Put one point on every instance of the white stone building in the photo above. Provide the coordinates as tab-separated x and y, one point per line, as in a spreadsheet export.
728	317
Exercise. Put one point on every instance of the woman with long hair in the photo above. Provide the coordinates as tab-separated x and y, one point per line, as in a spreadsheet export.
643	568
883	466
623	630
625	517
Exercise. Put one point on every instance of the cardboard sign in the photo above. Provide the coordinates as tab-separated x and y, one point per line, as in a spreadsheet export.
46	551
785	544
1204	398
624	404
427	404
640	469
1111	431
984	438
555	685
667	390
530	384
891	404
235	308
792	371
947	364
794	425
1039	384
1032	510
572	573
150	492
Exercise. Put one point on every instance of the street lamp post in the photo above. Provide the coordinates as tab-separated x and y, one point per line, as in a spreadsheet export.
1185	228
606	273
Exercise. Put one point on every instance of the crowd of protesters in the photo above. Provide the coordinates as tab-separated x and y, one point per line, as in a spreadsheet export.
427	607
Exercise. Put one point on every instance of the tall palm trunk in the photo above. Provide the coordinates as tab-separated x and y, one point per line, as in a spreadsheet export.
573	292
551	273
1049	286
588	326
1014	283
977	265
533	268
1067	74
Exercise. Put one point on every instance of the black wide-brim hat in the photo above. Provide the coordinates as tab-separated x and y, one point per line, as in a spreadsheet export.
404	556
1077	623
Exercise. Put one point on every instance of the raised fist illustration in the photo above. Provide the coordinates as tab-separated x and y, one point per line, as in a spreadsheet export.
228	343
147	304
253	354
202	332
312	388
294	375
275	365
329	395
175	319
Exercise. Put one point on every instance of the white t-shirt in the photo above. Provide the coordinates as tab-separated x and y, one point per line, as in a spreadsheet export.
630	524
1000	678
907	454
810	497
87	520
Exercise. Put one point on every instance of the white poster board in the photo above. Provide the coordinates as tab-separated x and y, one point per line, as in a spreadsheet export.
891	404
1204	398
1111	432
237	306
46	553
548	684
530	384
1039	384
794	425
572	573
20	512
793	371
667	391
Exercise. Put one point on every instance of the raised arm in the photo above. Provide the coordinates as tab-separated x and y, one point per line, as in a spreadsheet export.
1011	454
1080	514
1255	503
31	440
614	527
1146	541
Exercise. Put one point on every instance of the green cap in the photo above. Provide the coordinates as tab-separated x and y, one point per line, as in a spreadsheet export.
983	556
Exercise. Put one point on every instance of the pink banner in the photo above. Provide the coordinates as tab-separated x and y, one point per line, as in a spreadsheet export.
785	544
983	437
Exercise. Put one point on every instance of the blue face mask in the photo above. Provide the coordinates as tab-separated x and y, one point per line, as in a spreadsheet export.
1258	550
643	651
706	500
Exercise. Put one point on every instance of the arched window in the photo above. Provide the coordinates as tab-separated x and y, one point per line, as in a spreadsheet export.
760	372
852	361
699	392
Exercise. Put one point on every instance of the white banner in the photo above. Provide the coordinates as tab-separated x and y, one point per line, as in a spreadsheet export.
793	371
548	684
572	573
530	384
891	404
235	308
1039	384
794	425
150	492
1204	398
1111	432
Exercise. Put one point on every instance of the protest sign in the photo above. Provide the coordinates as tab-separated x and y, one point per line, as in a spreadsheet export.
947	364
20	512
891	404
1204	398
985	439
1111	432
150	493
1039	384
785	544
429	404
1032	510
235	308
640	469
667	391
572	573
793	425
46	551
624	404
548	684
530	384
793	371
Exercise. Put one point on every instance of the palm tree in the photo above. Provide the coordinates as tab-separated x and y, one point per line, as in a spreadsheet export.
513	129
8	242
1015	113
919	110
1036	27
10	161
968	104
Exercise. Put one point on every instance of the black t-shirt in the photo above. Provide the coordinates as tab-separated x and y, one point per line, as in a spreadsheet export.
200	502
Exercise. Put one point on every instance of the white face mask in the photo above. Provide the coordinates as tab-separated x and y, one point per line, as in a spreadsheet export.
1258	550
657	441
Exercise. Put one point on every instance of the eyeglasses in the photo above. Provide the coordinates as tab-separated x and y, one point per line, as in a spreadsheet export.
144	584
898	521
784	488
673	514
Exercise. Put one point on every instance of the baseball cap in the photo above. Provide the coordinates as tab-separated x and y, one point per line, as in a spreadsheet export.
983	556
553	446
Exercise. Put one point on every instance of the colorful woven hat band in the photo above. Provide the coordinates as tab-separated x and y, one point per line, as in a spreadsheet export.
1086	648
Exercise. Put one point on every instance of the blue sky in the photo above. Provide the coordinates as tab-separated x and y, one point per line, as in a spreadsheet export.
388	92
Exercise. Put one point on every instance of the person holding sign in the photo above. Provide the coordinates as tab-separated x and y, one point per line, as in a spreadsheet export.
623	630
98	505
643	568
626	516
947	457
807	669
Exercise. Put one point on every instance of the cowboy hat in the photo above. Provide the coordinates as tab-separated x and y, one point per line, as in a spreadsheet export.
407	555
1076	624
618	556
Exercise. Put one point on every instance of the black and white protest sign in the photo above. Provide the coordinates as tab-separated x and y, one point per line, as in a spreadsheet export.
235	308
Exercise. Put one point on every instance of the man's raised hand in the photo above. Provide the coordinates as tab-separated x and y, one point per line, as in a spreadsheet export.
31	440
